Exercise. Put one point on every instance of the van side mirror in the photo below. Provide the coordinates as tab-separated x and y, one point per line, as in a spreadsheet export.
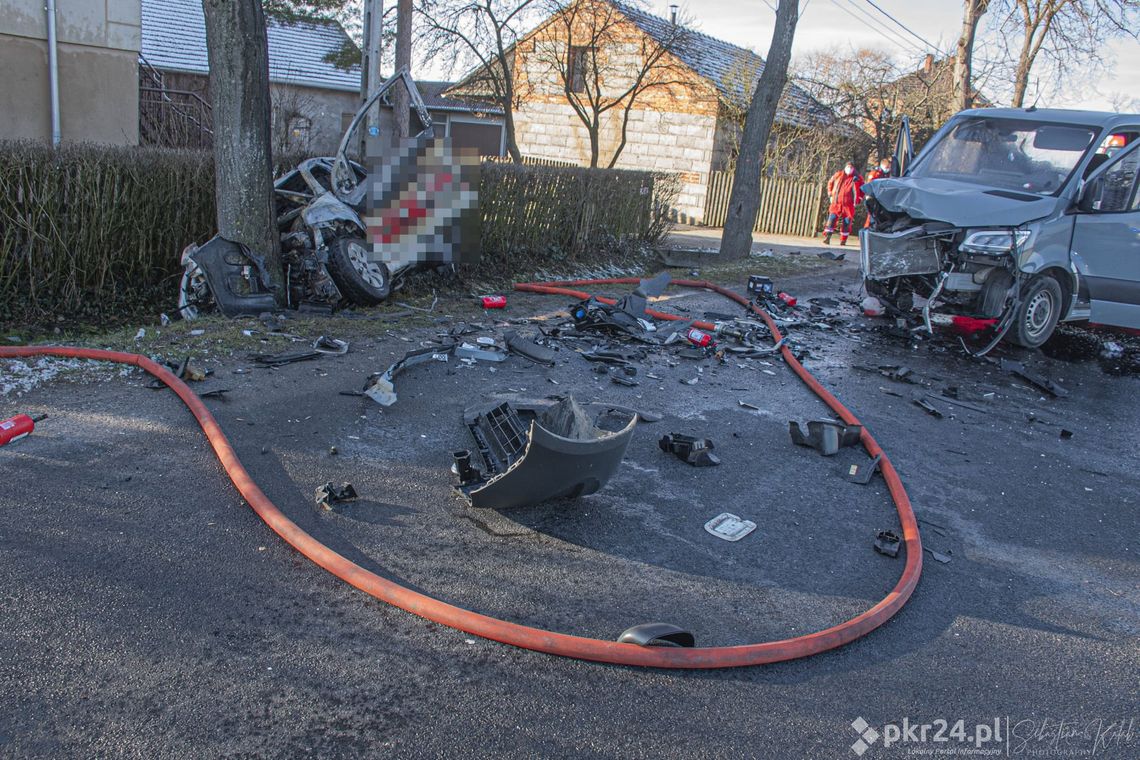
1089	200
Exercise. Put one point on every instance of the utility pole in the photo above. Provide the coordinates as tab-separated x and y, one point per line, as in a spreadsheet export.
403	58
370	66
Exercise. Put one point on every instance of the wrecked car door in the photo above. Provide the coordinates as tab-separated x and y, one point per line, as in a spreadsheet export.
904	149
1106	240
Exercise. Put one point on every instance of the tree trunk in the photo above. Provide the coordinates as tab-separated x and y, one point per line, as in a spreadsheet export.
972	12
243	167
509	130
595	142
1020	84
400	99
744	203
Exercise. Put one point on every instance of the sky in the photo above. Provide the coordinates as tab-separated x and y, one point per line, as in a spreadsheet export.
827	24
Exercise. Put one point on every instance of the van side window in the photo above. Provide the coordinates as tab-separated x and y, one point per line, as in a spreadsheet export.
1110	146
1119	185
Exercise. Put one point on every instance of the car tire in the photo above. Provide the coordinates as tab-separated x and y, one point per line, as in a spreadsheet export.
362	281
1037	313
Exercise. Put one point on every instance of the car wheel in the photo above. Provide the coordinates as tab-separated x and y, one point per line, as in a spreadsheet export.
1038	312
361	280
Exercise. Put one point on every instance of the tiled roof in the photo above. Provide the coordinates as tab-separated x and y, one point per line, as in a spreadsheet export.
435	100
174	39
721	62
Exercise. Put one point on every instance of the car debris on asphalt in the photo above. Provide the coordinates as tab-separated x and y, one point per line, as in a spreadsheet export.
729	527
559	453
694	451
328	495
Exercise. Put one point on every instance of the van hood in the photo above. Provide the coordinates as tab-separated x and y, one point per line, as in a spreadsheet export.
959	203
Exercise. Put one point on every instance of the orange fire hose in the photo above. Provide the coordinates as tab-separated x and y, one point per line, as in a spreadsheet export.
525	636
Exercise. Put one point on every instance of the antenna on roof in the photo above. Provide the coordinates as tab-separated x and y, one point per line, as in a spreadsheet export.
673	14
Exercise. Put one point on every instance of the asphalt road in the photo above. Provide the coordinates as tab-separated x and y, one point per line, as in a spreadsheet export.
145	611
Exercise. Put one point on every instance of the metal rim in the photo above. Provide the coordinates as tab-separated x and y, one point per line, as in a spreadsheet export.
368	270
1039	313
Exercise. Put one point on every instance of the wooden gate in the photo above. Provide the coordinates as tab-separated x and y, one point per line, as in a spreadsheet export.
787	207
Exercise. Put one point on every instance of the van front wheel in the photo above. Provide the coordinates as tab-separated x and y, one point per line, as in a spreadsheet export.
1038	312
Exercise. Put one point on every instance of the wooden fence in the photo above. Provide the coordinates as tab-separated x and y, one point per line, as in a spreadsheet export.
530	161
787	207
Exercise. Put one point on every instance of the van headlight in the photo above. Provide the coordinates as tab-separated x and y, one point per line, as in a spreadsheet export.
995	241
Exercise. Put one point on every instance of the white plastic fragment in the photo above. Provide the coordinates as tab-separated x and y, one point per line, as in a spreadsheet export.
729	527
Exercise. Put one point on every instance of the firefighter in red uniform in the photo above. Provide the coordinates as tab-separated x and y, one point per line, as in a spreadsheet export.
845	189
880	171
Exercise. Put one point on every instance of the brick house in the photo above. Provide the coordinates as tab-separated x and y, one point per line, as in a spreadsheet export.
686	128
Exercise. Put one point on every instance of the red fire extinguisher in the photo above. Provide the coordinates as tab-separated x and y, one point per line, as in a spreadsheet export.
698	338
15	428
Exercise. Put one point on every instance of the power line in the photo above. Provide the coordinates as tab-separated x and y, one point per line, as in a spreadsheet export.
874	26
888	32
865	18
906	28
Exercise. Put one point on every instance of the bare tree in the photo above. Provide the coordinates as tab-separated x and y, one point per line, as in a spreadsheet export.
1124	103
870	91
798	148
972	12
292	118
744	203
238	53
862	88
481	33
400	99
604	63
1068	35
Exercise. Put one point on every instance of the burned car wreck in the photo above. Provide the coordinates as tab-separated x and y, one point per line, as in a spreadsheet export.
325	252
1016	217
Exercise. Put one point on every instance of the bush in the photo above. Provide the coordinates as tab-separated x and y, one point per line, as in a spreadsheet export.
557	214
85	230
94	231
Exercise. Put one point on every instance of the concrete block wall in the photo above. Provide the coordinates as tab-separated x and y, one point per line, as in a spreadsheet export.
681	143
98	70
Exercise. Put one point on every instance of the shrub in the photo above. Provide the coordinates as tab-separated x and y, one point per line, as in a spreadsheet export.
94	231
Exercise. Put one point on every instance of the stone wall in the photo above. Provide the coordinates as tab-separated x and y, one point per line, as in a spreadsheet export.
671	126
98	44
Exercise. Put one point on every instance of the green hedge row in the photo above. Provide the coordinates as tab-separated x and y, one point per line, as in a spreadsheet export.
95	232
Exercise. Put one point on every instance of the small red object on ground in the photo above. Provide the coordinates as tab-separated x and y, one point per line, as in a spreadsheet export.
15	428
698	338
789	300
494	302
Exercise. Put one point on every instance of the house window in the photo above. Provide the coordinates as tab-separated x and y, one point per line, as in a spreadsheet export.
576	68
346	118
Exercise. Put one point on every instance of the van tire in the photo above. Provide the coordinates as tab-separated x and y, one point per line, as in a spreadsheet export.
361	281
1037	313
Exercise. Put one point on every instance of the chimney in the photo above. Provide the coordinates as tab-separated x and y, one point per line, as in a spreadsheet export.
928	64
673	14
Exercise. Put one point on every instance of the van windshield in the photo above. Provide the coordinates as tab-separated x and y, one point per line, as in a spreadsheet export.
1019	155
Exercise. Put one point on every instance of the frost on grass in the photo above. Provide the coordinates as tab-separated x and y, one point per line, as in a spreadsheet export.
18	376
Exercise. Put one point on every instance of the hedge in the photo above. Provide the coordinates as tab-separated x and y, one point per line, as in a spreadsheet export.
96	232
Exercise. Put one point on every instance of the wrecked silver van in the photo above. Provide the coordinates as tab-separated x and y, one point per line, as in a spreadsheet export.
1020	216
